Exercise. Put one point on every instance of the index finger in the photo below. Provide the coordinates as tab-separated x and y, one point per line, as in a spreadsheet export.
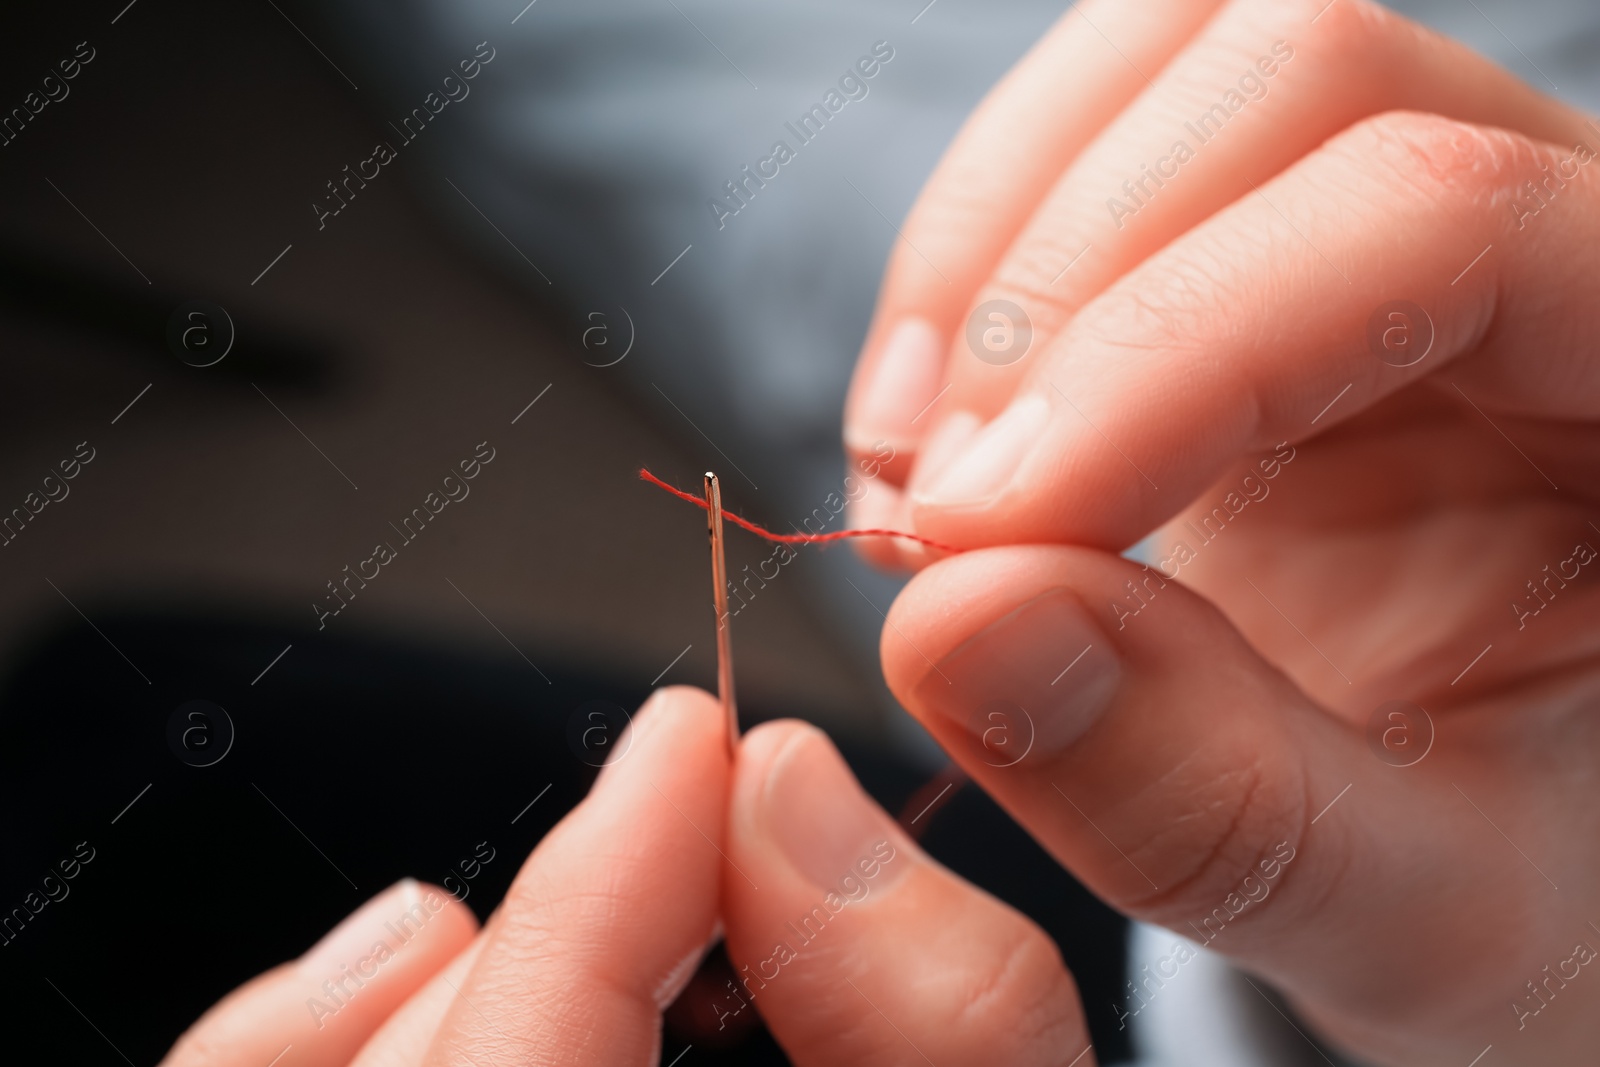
1265	325
1009	153
612	912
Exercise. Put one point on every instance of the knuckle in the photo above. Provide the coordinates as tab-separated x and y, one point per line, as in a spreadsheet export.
1051	239
1178	305
1021	996
1032	275
1243	822
1437	158
1350	33
1347	36
1044	313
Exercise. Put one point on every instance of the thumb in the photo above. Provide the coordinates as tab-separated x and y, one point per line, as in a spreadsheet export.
1186	780
858	948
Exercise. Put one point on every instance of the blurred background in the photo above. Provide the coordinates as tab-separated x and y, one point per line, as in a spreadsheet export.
275	342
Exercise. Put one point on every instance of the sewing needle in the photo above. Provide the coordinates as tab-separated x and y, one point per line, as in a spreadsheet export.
719	596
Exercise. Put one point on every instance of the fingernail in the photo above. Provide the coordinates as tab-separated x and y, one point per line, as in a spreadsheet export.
830	830
640	724
354	937
945	442
991	459
1031	682
906	379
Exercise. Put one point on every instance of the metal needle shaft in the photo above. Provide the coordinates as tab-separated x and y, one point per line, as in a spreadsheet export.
719	592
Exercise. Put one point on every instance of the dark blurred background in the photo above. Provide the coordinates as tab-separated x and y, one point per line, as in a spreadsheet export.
484	287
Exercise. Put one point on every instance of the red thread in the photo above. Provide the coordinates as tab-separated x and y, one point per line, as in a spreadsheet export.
790	539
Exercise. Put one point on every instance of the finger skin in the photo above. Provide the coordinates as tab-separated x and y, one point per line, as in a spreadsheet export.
1188	783
607	918
1007	155
1179	370
859	949
1357	60
324	1006
403	1039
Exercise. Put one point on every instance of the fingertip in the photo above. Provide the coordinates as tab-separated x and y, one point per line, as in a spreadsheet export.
761	743
697	721
945	442
459	925
689	708
450	924
672	700
754	759
677	716
898	377
853	924
891	512
800	816
978	463
882	507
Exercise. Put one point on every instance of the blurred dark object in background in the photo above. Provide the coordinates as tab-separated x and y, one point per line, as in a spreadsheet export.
140	319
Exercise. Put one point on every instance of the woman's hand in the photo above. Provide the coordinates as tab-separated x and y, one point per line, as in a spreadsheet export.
888	954
604	924
1199	209
1341	354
